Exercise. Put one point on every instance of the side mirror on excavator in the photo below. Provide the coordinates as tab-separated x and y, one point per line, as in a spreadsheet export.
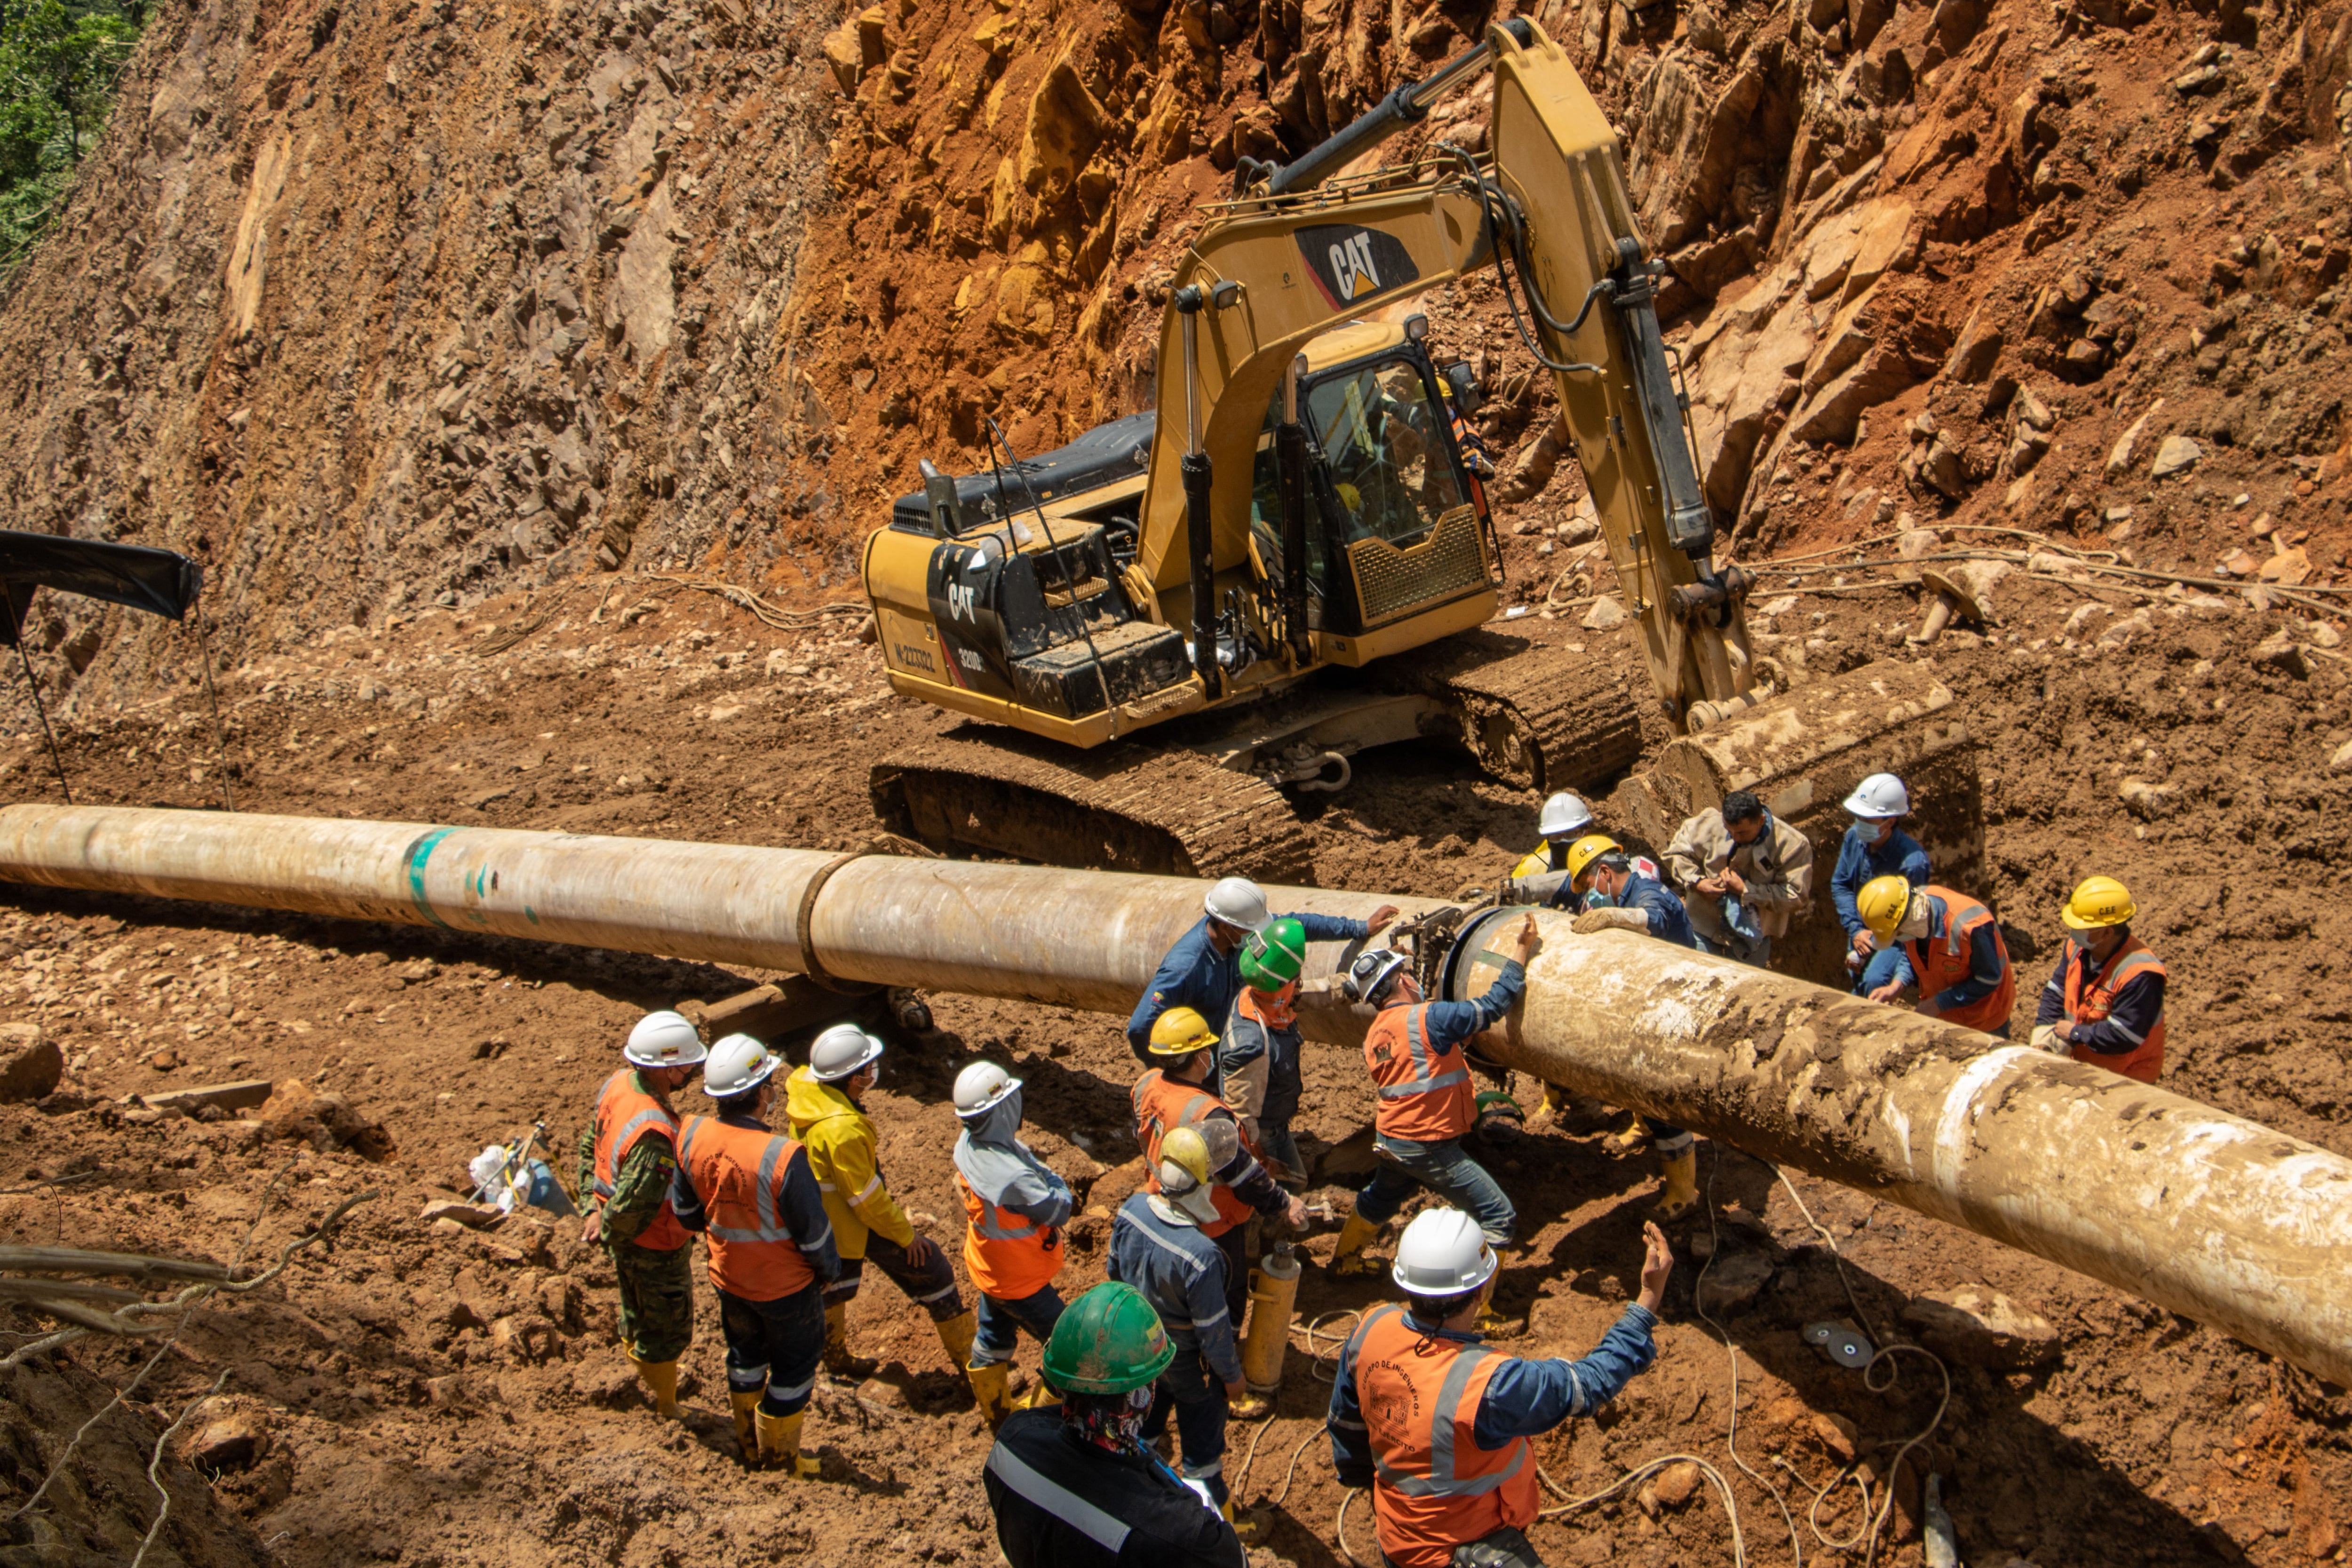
940	494
1462	381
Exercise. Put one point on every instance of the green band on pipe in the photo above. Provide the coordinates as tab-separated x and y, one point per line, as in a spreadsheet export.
418	853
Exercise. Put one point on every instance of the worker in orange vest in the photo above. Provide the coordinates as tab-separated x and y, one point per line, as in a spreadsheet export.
628	1154
2105	1001
1176	1094
1425	1103
751	1194
1017	1206
1951	953
1439	1426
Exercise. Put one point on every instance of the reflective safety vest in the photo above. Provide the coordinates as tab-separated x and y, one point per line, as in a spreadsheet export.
1434	1488
2090	997
1937	966
1008	1255
739	1174
1161	1105
1425	1094
625	1113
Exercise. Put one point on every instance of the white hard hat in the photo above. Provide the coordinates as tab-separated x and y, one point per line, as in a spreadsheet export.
980	1086
738	1065
1563	813
842	1052
1238	901
1371	971
1442	1253
1879	796
663	1040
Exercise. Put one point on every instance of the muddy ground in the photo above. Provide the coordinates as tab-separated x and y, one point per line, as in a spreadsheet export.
435	1397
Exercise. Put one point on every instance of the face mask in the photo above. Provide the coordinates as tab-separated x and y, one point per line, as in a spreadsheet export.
2080	939
1875	830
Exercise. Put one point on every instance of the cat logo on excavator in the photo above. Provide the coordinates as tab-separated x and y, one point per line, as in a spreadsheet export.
1351	263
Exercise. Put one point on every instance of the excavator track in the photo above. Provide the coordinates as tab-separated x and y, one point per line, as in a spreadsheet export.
1536	717
1164	809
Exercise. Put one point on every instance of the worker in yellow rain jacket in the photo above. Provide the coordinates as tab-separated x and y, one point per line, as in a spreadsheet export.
825	1102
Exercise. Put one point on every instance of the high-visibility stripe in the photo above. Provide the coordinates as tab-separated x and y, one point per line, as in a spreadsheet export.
1421	1082
1442	1480
1104	1529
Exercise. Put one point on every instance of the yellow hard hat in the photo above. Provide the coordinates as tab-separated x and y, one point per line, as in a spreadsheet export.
1532	864
1586	850
1882	904
1185	1149
1180	1031
2099	902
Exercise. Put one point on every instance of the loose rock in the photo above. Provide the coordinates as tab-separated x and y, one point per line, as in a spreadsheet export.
1980	1327
2176	456
30	1064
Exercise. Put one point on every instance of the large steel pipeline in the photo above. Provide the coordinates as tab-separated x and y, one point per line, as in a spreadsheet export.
2201	1213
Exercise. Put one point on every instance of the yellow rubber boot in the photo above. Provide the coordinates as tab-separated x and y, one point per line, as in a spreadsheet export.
660	1377
955	1338
746	1405
1681	1196
1039	1395
1556	1102
1635	1138
780	1444
1349	1257
988	1387
837	1359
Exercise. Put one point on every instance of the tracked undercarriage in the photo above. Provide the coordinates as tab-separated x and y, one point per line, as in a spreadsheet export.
1213	801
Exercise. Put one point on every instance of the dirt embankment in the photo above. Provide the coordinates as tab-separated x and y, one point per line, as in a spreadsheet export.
453	1397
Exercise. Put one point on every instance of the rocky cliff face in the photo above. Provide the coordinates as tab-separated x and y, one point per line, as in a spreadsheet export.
380	304
367	304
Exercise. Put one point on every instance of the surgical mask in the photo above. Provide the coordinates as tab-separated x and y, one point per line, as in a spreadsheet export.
1874	830
2080	939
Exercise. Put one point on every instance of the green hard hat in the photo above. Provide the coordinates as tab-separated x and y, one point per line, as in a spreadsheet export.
1274	957
1108	1341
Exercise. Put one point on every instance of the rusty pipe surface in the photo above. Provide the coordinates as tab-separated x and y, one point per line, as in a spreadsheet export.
2204	1214
2201	1213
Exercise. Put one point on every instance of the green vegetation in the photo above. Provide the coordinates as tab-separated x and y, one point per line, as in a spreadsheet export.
59	60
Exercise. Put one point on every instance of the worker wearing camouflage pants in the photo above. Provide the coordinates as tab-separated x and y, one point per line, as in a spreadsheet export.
628	1157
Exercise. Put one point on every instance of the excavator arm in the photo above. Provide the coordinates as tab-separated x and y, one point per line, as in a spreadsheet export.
1302	252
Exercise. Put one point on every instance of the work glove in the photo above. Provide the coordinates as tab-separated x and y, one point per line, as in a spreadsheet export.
2045	1038
1592	921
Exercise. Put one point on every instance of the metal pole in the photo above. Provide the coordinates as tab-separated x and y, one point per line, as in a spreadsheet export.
25	660
220	735
2201	1213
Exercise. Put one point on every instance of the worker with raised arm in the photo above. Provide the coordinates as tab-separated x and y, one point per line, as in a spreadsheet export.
1421	1082
1619	897
1175	1093
749	1193
1017	1206
1947	948
1160	1245
1874	847
1258	1059
1202	971
826	1101
1744	875
1440	1426
2104	1004
1078	1487
629	1153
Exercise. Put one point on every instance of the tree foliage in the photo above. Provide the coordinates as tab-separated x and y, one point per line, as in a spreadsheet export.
58	61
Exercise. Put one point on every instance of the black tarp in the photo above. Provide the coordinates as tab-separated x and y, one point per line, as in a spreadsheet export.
156	581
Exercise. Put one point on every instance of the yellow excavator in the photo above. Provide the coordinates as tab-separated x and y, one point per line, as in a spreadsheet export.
1157	629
